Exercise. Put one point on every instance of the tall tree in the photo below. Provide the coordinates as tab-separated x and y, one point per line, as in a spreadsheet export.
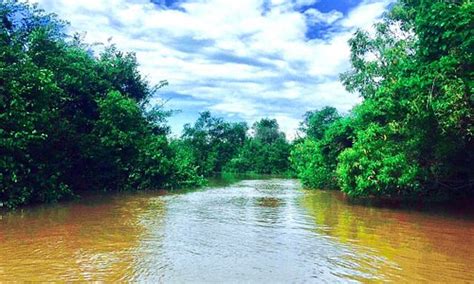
316	122
73	121
214	141
415	124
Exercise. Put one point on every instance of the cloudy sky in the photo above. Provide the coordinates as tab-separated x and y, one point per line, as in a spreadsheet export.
240	59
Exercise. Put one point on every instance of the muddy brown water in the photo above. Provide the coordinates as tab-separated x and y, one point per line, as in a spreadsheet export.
250	231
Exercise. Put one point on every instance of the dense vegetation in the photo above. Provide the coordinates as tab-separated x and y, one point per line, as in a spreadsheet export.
413	134
71	120
314	158
75	117
218	146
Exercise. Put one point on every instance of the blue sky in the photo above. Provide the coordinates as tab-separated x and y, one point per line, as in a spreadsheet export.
242	60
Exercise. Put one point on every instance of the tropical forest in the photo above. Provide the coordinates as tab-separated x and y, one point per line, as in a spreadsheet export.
103	179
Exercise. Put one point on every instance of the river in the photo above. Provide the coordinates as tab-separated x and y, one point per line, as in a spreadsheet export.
267	230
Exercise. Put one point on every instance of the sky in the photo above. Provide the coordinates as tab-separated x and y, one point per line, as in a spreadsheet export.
242	60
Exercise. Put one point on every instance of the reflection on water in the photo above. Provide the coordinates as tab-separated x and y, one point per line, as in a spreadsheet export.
252	231
411	245
84	241
269	202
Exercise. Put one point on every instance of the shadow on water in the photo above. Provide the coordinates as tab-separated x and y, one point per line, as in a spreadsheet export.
460	208
269	202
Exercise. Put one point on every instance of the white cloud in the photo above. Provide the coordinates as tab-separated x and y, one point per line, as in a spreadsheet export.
364	15
288	124
232	57
316	16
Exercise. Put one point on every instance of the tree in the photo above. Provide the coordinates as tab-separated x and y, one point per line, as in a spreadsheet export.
72	121
315	158
316	123
267	131
266	152
414	128
411	136
214	141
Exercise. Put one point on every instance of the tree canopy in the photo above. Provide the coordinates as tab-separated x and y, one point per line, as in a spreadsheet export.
72	120
412	135
219	146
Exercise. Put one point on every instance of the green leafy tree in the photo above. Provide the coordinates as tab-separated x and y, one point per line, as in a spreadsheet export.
414	128
72	121
316	123
326	136
412	134
214	142
266	152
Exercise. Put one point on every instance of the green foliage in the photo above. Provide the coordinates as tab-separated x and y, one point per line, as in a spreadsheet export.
28	115
213	142
72	121
266	152
267	131
185	172
420	105
317	122
219	146
315	158
127	152
377	165
412	136
310	166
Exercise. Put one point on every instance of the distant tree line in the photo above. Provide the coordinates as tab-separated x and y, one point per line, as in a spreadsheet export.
218	146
